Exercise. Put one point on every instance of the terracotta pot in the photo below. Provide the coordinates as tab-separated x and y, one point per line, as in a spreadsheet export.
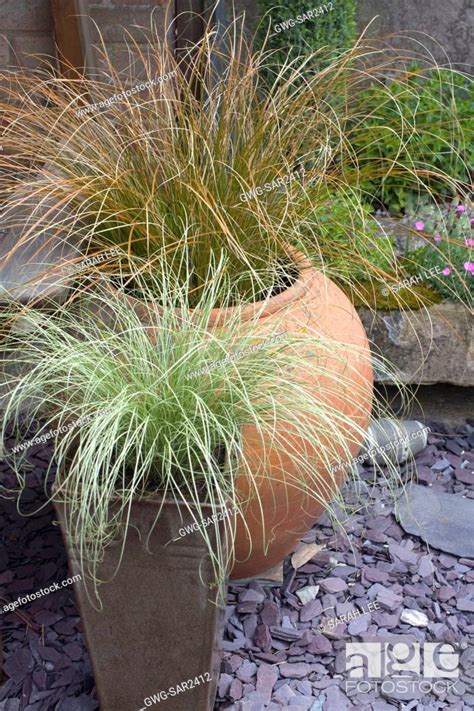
312	303
161	622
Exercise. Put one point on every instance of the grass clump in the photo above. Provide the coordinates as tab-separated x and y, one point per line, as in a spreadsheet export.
163	409
214	161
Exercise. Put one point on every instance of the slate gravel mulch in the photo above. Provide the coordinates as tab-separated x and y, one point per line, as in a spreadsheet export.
284	646
46	664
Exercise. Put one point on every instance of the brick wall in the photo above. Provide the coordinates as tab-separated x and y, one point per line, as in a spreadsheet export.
112	16
26	26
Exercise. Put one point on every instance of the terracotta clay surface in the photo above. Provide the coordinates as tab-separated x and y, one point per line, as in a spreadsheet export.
313	305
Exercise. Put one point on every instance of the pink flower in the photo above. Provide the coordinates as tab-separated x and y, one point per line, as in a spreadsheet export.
446	271
469	242
461	208
419	225
469	267
437	238
472	221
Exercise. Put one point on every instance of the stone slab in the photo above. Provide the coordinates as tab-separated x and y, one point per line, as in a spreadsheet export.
444	521
427	346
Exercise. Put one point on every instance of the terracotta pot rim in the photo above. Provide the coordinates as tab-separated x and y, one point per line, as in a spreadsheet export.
265	307
218	316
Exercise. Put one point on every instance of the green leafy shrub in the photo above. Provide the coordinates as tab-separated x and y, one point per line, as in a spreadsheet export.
447	260
421	119
293	33
343	225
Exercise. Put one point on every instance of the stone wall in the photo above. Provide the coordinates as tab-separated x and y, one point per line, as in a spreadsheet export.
136	16
26	26
450	23
432	345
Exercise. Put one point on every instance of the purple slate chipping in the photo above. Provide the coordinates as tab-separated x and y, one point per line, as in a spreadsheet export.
311	610
388	600
266	678
295	671
404	572
333	585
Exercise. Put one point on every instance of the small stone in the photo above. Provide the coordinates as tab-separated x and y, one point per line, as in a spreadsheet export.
225	681
320	645
304	687
337	631
311	610
440	465
284	694
235	662
425	566
47	618
49	655
270	613
388	600
445	593
262	638
286	634
375	575
383	619
267	675
454	447
236	690
19	665
247	671
74	651
425	474
415	618
466	603
360	624
447	561
336	699
402	553
465	476
300	670
333	585
308	593
250	595
438	630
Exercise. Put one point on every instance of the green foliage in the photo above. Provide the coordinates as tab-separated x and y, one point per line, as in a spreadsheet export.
161	395
333	27
369	294
345	226
242	176
420	120
450	247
